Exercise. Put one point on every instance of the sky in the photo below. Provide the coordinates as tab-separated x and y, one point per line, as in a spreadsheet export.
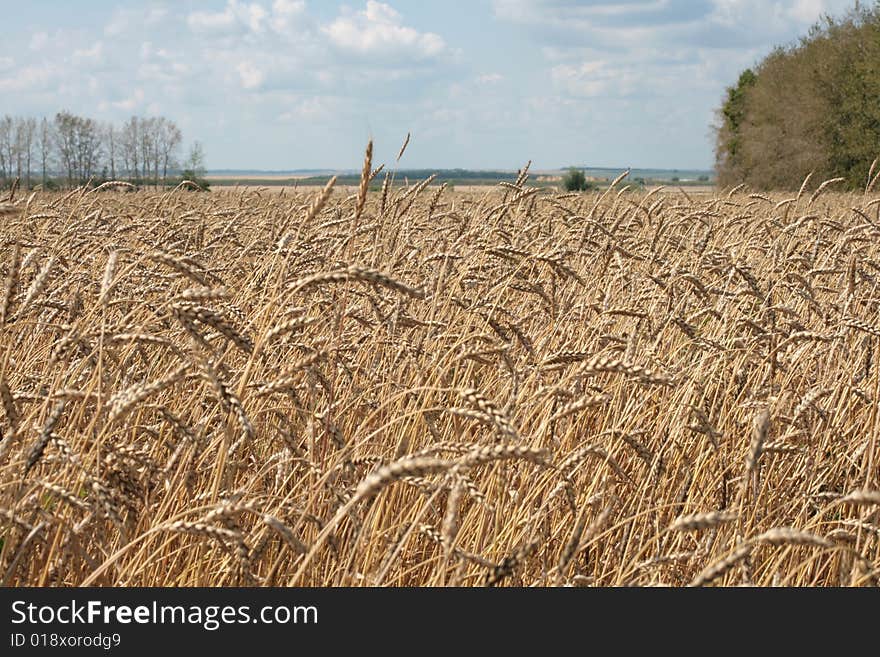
481	84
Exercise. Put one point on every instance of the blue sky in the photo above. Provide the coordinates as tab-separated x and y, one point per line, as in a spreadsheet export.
283	84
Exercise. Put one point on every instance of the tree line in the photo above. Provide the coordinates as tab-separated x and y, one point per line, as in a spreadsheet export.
813	106
73	150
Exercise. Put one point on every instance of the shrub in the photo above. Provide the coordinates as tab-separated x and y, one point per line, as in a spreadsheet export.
194	176
575	181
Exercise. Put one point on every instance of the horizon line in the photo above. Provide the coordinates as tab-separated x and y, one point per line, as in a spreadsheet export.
458	168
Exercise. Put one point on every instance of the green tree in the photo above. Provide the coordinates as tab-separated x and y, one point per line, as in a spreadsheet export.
733	113
808	107
575	181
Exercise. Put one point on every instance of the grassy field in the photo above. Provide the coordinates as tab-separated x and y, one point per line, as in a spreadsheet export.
424	387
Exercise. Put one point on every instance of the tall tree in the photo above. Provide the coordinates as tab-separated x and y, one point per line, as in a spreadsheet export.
18	146
147	146
732	115
65	143
195	161
80	148
170	139
88	142
111	137
811	107
130	142
28	131
45	148
7	139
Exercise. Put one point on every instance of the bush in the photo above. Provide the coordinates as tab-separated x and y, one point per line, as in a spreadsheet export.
575	181
193	176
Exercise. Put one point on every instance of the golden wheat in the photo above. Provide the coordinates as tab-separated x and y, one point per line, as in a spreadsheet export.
396	388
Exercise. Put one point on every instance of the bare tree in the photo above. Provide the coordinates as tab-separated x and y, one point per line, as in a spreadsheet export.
144	147
45	147
79	148
170	139
128	141
65	143
155	137
18	145
78	142
110	134
149	147
88	142
195	161
6	148
27	130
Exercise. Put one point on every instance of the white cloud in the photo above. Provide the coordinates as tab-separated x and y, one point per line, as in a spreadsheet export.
251	76
162	66
593	79
246	62
378	30
6	63
254	16
94	52
130	103
288	7
117	25
235	17
170	72
309	108
285	13
39	40
156	15
489	78
699	23
204	21
648	48
29	79
808	10
778	11
124	20
592	14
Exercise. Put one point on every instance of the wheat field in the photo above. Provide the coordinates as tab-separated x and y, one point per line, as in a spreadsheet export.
423	387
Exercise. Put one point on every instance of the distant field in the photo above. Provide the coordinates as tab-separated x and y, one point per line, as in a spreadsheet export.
467	178
508	387
311	187
268	177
